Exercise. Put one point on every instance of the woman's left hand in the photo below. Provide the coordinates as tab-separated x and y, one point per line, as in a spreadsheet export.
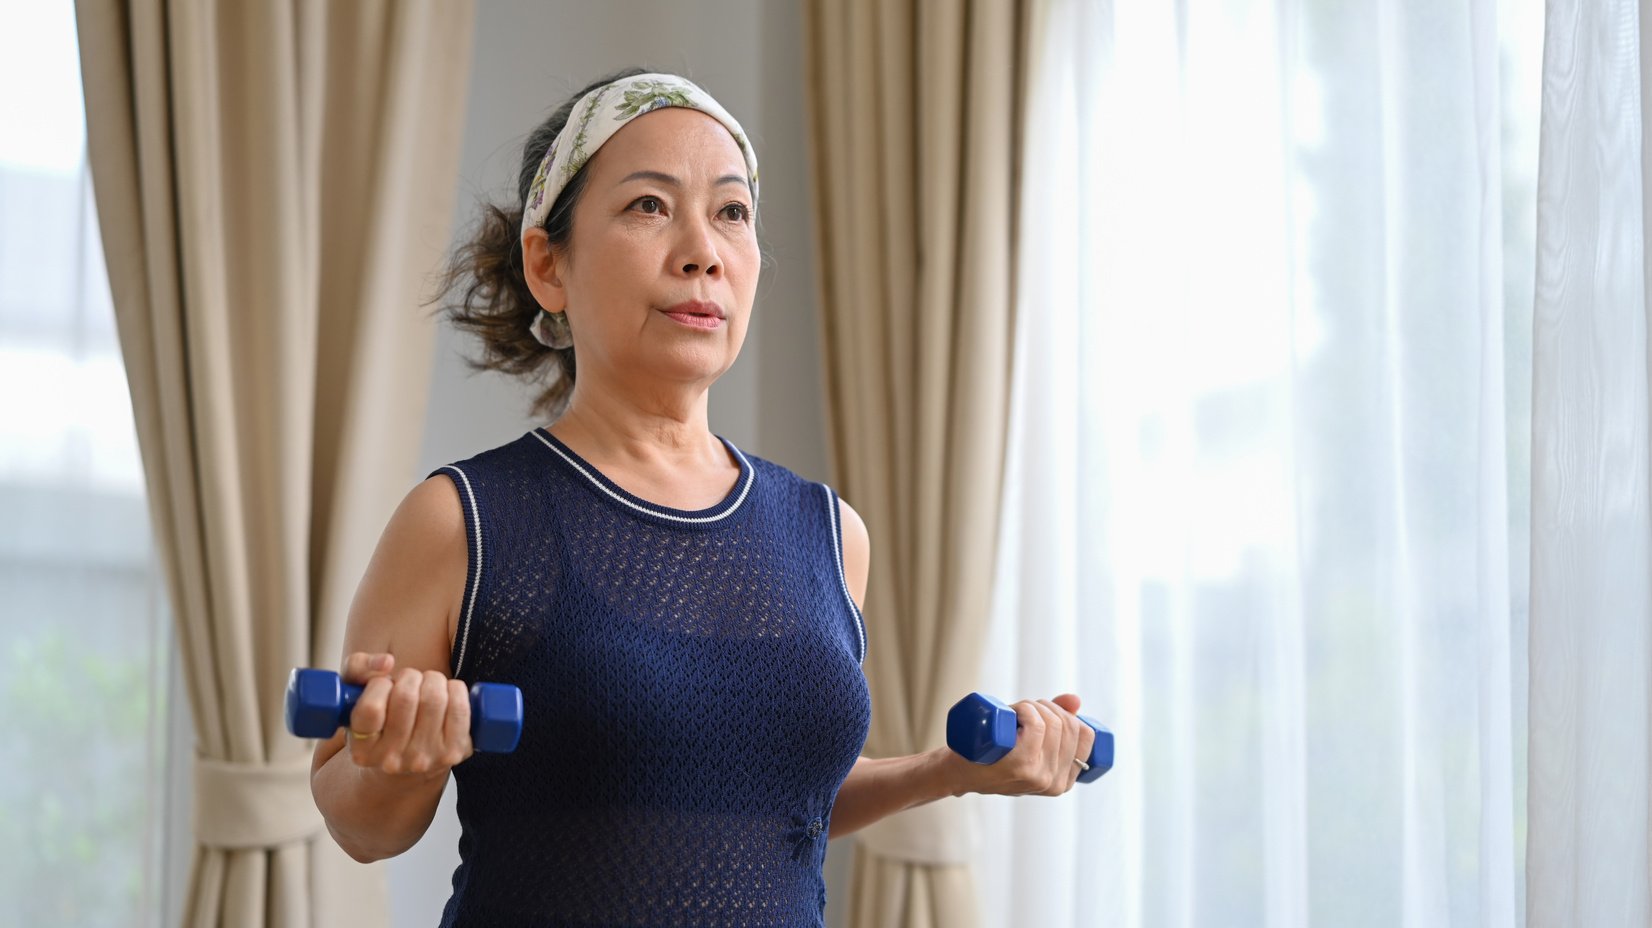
1048	739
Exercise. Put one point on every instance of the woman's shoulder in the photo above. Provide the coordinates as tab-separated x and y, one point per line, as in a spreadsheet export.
767	469
499	475
810	492
784	484
520	451
830	513
408	598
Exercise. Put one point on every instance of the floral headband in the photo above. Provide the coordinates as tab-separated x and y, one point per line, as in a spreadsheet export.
601	113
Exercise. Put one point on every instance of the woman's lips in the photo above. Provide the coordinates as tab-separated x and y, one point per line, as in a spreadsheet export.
696	315
695	320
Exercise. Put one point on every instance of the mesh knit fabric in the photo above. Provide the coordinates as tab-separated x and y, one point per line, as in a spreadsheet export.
692	689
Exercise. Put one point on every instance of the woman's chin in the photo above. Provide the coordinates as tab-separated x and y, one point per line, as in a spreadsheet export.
689	364
692	356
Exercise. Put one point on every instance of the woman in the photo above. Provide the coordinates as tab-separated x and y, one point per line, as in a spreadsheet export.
683	619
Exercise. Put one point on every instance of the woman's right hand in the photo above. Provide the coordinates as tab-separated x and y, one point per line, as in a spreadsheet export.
409	723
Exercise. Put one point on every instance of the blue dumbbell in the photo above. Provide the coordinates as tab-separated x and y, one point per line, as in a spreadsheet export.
982	729
319	703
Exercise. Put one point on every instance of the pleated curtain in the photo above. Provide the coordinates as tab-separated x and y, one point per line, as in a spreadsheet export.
274	181
1257	508
1590	803
915	114
916	387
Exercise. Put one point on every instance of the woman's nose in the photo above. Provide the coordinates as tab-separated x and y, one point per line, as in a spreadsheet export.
698	253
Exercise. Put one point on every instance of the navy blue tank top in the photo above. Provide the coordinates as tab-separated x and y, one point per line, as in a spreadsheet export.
692	688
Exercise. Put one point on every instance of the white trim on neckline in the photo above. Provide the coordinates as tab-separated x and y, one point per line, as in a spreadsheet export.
655	511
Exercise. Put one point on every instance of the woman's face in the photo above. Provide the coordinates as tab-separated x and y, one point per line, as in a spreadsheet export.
664	261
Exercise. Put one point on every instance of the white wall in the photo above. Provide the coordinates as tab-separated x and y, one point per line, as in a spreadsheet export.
529	57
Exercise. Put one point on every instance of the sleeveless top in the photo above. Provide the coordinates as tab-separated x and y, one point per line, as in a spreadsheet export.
692	696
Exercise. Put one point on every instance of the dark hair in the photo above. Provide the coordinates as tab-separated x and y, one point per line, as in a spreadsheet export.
482	290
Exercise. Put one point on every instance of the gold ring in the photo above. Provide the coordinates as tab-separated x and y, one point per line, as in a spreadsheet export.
1082	766
369	736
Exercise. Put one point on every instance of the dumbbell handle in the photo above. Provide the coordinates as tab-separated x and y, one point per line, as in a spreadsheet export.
982	729
319	703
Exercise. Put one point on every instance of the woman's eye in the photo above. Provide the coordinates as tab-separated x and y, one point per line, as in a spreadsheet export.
648	205
738	212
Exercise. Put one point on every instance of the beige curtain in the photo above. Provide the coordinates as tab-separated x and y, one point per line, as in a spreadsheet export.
915	120
274	181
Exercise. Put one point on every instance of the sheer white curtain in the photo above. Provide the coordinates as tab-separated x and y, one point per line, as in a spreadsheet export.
1265	506
1591	617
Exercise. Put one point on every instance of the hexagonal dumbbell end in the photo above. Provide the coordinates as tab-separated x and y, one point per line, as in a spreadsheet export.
319	703
496	717
1101	752
982	729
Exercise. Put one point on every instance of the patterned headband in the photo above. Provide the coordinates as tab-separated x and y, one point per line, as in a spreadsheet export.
601	113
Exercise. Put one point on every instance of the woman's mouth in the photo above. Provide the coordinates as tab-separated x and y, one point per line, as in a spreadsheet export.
696	314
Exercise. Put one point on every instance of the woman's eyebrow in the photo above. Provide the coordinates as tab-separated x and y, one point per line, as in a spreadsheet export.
673	181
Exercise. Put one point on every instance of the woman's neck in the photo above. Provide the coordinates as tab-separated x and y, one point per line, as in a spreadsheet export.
621	428
662	453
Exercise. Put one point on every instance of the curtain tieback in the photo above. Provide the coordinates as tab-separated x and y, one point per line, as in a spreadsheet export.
939	833
240	806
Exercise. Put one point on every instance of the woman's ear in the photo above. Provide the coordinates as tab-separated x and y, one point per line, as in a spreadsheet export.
540	269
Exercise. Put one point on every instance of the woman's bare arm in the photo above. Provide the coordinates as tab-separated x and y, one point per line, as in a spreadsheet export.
880	787
1050	736
378	795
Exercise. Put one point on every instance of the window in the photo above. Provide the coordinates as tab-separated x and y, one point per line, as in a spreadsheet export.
95	769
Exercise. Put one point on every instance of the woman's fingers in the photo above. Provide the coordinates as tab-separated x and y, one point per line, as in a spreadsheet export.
1086	744
1063	772
409	722
1050	738
367	719
388	751
1026	767
369	670
425	742
456	725
1056	738
361	666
